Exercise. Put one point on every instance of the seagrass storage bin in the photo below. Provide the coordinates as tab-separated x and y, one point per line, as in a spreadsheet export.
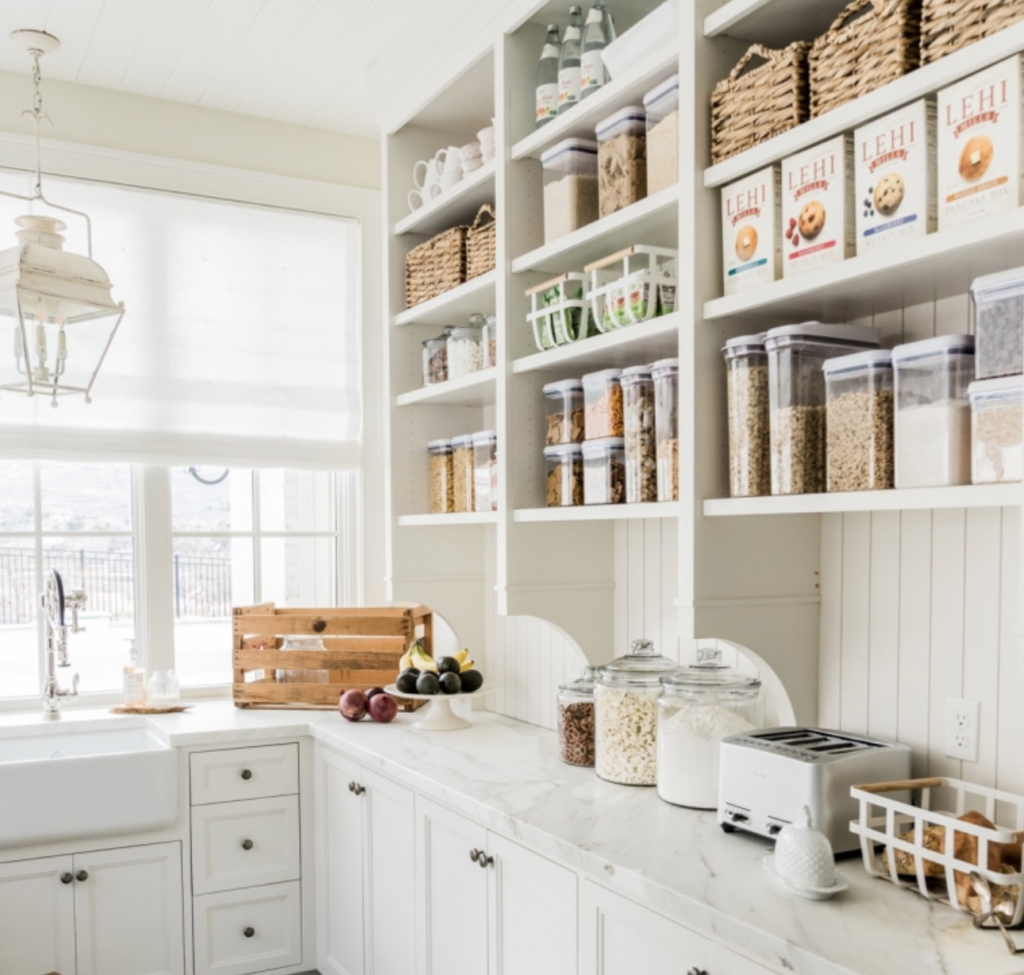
750	107
870	43
481	241
948	25
435	266
363	648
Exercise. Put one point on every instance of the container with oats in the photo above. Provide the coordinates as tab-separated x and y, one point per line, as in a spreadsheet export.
746	370
563	470
602	399
622	159
662	107
641	455
665	373
999	324
563	412
626	715
997	441
441	477
570	187
604	471
463	473
576	720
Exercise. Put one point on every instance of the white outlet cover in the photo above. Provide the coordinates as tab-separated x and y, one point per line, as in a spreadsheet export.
962	729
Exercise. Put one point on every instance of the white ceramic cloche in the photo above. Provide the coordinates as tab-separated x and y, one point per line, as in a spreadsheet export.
804	863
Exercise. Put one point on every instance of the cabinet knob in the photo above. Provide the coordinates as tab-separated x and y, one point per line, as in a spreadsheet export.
246	844
82	875
696	971
484	860
475	855
249	932
66	878
357	788
246	774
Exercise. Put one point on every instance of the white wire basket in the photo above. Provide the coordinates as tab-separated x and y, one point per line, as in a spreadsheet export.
933	851
632	286
559	312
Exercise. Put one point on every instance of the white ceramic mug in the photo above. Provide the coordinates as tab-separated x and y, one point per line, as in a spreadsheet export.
431	175
451	172
415	199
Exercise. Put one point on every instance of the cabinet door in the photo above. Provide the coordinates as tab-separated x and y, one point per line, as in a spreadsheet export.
128	911
533	911
391	872
340	884
37	917
452	907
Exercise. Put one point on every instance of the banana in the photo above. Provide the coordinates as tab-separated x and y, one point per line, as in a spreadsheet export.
406	662
422	662
462	656
465	665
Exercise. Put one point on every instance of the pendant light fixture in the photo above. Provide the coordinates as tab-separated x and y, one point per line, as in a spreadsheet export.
64	318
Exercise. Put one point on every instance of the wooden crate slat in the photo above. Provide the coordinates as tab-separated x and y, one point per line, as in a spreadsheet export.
329	626
316	660
381	644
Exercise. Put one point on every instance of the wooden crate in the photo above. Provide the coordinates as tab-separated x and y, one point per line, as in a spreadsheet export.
363	648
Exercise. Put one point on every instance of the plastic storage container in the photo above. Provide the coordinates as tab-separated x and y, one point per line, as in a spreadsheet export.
485	470
442	477
746	375
602	399
933	414
465	351
860	455
604	471
435	360
622	159
563	469
563	411
576	720
997	442
463	473
641	453
796	398
570	187
665	373
490	339
698	707
662	107
999	324
626	715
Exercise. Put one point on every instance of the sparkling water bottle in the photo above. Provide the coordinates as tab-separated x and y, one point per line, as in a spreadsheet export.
547	78
569	62
598	33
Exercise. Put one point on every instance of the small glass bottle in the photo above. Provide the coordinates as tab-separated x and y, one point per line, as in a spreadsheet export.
598	33
569	62
576	720
547	78
134	677
164	689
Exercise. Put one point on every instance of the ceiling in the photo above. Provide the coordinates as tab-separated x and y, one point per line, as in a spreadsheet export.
330	64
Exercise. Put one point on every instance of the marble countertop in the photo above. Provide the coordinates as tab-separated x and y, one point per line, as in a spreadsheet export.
507	775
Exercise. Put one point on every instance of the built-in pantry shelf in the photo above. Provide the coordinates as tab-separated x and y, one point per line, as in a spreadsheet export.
476	295
458	205
476	389
458	518
774	23
600	512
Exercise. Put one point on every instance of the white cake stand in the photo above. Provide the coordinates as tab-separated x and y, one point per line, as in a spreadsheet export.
438	714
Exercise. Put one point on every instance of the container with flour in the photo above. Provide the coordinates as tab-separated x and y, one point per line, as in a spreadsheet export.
698	707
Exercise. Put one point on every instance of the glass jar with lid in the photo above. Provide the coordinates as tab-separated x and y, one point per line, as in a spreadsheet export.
302	643
699	706
576	720
465	351
163	690
625	715
435	359
490	345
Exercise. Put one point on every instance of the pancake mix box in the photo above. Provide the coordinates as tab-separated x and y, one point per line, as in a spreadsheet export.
896	177
817	206
752	231
980	144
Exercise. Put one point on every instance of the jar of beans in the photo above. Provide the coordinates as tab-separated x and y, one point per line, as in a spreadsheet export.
576	720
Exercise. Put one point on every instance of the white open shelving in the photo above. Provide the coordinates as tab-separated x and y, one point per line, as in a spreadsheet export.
457	205
459	303
774	23
476	389
599	512
449	520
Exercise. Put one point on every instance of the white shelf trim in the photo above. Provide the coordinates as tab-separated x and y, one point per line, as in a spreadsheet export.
477	188
472	390
730	14
442	303
600	512
457	518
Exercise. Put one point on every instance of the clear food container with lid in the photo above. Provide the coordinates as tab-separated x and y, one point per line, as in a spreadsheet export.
463	473
933	413
999	324
746	376
442	477
665	373
465	350
860	453
490	342
435	359
570	187
662	107
604	471
641	455
563	471
602	401
563	412
485	470
622	159
576	720
626	715
796	398
997	444
698	707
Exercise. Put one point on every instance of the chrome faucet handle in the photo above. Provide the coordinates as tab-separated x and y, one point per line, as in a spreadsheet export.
74	687
75	602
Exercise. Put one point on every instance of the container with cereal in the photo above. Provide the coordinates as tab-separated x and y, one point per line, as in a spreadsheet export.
662	107
665	373
604	471
563	412
570	187
746	371
622	159
641	454
752	231
999	324
563	475
485	470
602	398
441	477
576	720
463	473
997	442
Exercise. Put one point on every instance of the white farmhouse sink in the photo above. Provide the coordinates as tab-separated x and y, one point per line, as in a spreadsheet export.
68	784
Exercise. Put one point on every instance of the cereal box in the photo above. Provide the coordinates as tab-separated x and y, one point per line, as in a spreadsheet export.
817	206
896	173
980	144
752	231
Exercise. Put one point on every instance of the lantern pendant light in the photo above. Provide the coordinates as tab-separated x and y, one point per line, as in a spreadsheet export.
64	318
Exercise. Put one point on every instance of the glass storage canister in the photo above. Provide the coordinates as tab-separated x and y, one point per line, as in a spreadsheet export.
746	377
665	373
490	345
465	351
463	473
163	689
563	412
997	440
621	159
662	107
999	324
304	643
563	469
435	359
626	715
604	471
576	720
485	468
859	451
570	187
796	398
602	399
442	477
698	707
933	413
641	455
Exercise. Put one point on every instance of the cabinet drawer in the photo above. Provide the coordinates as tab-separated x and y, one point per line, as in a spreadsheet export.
244	773
243	931
245	844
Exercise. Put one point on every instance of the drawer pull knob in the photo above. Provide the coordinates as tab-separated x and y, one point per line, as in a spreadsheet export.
249	932
82	875
246	844
696	971
357	788
66	878
246	774
475	855
485	861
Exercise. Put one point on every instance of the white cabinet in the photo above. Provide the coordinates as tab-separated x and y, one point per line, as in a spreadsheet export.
229	774
37	916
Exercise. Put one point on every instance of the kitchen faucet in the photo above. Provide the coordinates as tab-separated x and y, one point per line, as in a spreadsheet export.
53	603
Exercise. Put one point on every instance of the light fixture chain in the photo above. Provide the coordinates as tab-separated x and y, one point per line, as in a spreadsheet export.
38	115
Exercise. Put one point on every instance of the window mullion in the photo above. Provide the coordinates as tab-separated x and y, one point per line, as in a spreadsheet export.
37	543
154	565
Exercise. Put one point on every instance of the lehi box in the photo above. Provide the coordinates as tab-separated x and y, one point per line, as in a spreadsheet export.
896	177
752	231
817	207
980	144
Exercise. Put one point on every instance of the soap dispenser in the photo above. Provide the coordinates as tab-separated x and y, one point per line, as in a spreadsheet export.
134	678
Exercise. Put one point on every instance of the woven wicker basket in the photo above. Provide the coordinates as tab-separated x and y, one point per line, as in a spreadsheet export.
435	266
871	43
948	25
480	243
750	107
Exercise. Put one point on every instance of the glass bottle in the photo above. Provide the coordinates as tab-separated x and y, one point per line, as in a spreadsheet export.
569	62
547	78
598	33
302	643
576	720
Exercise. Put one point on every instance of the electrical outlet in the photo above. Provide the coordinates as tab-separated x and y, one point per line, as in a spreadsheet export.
962	729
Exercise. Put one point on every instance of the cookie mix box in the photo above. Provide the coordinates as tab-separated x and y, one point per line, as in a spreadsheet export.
752	231
980	144
896	177
817	207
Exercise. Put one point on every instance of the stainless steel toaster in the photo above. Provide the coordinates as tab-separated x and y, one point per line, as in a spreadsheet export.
767	776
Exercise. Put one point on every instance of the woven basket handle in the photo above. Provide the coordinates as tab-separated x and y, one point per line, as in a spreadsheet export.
847	13
755	50
485	211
